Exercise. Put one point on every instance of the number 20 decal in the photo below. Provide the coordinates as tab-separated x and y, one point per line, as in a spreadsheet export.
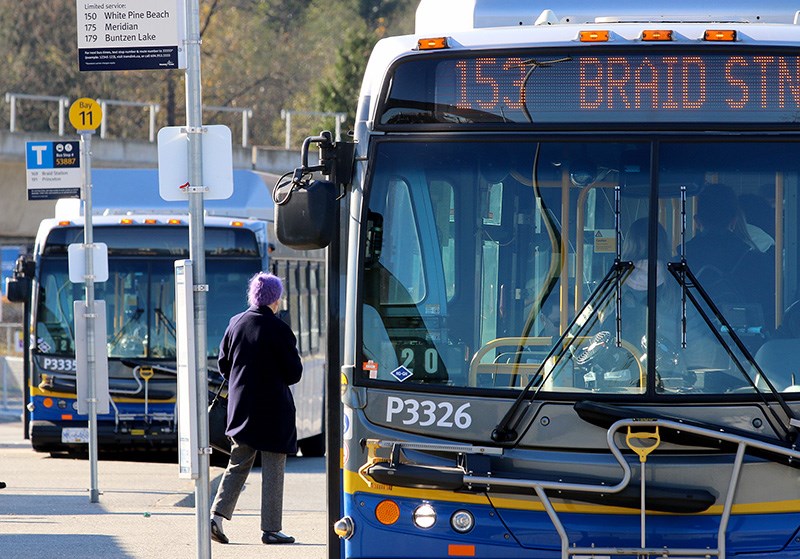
430	359
427	413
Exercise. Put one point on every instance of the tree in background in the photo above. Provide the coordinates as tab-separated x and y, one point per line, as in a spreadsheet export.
376	12
337	90
340	92
261	54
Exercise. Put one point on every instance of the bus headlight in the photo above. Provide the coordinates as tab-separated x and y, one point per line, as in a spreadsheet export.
462	521
344	527
424	516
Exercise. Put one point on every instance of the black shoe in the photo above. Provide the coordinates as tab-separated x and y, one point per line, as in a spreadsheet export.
217	534
276	537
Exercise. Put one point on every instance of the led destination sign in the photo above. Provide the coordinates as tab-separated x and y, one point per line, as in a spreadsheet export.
594	88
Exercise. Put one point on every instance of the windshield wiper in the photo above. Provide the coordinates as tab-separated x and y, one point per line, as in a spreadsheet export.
162	318
506	431
689	283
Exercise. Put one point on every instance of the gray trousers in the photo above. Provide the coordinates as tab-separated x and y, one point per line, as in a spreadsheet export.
273	465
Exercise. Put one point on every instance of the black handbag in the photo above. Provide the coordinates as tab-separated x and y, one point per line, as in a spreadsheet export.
218	420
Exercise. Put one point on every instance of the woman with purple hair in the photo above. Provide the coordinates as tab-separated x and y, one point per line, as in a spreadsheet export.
258	356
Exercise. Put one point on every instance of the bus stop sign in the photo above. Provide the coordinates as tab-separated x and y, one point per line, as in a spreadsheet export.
53	170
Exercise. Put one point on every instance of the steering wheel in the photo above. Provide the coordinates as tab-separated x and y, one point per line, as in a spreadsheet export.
597	345
601	352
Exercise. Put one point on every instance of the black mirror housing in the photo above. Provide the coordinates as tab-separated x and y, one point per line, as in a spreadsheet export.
17	289
305	217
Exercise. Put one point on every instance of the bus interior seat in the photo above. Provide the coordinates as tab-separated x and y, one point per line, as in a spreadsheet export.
790	327
779	359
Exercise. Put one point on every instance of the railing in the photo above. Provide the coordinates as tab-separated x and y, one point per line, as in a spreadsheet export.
286	114
11	392
246	115
548	489
104	103
10	386
154	109
10	338
63	103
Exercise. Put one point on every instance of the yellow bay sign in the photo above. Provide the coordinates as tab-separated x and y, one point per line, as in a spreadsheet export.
85	114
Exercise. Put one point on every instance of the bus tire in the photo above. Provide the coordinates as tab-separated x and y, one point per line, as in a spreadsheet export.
312	446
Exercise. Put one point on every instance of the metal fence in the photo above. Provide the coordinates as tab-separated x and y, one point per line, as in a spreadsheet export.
61	104
10	386
10	338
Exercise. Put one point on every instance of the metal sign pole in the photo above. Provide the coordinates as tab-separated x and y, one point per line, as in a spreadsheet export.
194	124
88	243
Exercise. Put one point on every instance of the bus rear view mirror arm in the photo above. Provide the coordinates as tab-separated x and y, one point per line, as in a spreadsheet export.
305	209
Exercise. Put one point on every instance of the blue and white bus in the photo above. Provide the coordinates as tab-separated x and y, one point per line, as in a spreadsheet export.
144	236
570	318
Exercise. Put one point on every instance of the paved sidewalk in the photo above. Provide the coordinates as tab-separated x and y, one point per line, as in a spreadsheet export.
145	510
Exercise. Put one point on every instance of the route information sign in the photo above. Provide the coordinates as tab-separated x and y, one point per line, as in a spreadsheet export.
53	170
131	35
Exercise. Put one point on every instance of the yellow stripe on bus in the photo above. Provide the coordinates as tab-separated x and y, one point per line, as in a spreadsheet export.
353	483
36	391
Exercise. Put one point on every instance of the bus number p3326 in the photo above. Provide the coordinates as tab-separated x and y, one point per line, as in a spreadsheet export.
426	413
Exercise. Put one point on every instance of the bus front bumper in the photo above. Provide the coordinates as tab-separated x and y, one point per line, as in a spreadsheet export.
61	436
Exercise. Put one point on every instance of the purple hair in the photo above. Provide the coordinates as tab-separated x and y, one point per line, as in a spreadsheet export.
264	289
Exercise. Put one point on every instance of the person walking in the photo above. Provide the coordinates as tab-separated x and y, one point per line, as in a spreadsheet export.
258	355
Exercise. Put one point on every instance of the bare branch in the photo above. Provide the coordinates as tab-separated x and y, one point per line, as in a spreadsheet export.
211	11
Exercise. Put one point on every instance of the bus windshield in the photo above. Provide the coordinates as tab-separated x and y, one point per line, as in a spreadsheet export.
496	264
139	296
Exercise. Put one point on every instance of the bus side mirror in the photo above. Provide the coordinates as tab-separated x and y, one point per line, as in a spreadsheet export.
16	290
19	284
305	215
305	210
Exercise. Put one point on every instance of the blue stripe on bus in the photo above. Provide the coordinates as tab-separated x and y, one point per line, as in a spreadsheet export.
54	413
516	533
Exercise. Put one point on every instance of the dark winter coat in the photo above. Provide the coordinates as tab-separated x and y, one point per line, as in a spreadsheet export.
258	355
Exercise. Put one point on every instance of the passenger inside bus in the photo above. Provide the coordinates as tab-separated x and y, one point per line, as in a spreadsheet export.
734	273
634	295
716	247
634	314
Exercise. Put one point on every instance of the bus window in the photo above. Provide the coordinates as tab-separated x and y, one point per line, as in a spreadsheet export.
742	199
315	307
163	337
401	254
126	292
54	327
444	214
